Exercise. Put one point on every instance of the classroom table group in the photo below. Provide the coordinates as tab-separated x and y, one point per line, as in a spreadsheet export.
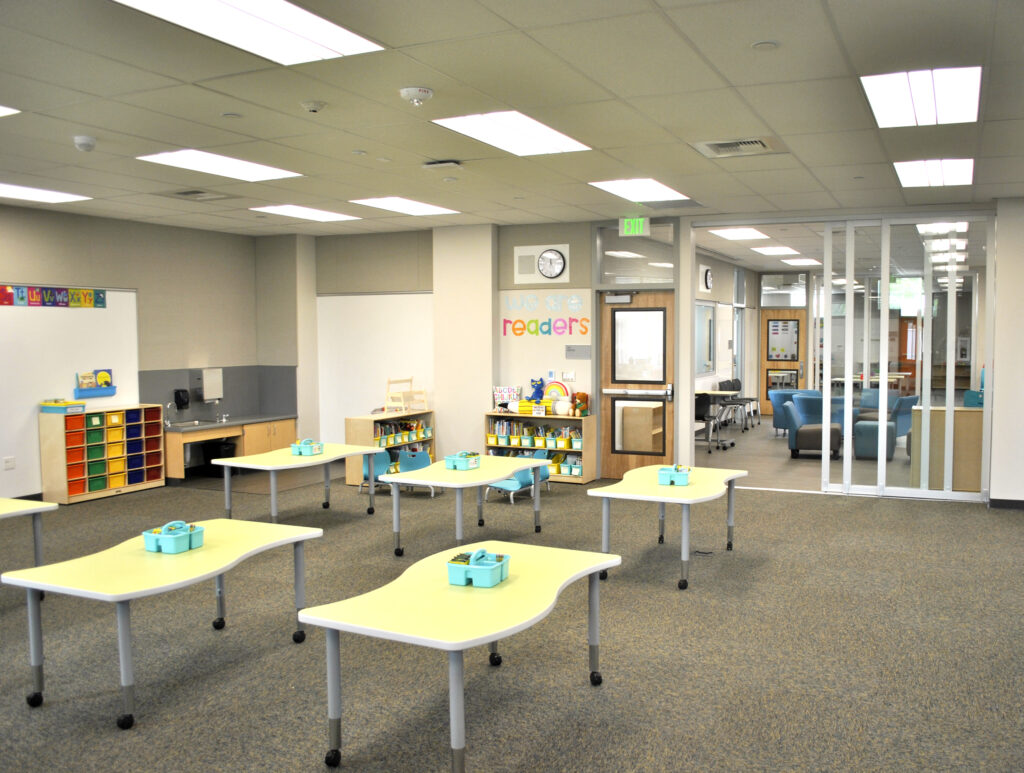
420	607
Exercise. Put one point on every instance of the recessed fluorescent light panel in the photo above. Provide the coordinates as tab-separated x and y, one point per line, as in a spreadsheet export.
801	261
935	172
739	234
304	213
4	111
941	229
38	194
945	257
661	265
273	29
640	189
945	245
211	163
924	97
775	250
623	254
404	206
512	131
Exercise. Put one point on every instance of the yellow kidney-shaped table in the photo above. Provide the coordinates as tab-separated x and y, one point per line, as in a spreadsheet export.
420	607
128	571
491	470
283	459
9	508
641	484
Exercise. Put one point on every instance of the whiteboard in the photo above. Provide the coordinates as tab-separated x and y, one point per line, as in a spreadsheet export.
42	348
364	340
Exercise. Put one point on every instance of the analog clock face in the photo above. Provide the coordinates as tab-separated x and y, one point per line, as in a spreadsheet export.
707	278
551	263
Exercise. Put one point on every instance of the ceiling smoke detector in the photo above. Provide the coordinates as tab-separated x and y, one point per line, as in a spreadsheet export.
417	95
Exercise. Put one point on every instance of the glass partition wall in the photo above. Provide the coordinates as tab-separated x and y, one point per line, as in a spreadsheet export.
898	306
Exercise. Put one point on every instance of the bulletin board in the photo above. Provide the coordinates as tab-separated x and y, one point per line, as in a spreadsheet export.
784	339
42	348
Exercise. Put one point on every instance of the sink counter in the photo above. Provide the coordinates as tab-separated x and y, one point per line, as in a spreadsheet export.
250	434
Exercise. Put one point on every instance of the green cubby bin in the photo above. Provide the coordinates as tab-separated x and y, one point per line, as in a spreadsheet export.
98	483
95	452
97	468
95	436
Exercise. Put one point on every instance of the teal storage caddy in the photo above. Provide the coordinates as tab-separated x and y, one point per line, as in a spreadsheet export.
677	475
173	537
463	460
481	569
307	447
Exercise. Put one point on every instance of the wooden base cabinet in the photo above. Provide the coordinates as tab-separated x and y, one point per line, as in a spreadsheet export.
266	436
101	453
518	434
391	431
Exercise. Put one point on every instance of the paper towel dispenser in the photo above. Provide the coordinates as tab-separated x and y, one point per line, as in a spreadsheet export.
211	384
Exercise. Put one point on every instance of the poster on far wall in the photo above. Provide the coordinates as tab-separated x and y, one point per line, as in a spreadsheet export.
783	339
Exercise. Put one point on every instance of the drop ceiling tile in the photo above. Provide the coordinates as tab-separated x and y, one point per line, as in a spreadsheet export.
774	182
1002	97
540	77
120	207
988	171
589	166
704	186
31	94
953	195
1002	138
810	107
763	161
919	142
1008	42
703	116
431	142
605	124
520	172
725	32
881	36
985	193
856	177
631	55
659	160
741	205
530	14
835	148
802	201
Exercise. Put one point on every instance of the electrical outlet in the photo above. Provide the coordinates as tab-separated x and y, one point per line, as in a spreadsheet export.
568	376
8	462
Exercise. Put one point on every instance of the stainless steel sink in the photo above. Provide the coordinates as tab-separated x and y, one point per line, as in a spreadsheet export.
192	423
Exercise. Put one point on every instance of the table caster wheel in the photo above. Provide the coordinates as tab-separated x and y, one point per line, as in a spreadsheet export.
709	450
495	659
661	539
333	758
480	522
218	624
369	511
603	574
42	595
728	545
298	637
125	721
399	552
595	678
326	505
34	700
683	584
536	529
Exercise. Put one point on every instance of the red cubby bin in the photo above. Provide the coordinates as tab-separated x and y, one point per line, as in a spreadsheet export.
76	455
74	422
154	473
152	414
153	459
152	444
153	429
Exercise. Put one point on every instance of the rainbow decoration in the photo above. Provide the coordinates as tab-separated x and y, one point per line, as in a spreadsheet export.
555	389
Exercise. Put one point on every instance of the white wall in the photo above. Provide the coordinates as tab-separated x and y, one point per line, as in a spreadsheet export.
362	341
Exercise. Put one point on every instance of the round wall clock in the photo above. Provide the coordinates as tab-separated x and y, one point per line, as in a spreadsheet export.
551	263
707	279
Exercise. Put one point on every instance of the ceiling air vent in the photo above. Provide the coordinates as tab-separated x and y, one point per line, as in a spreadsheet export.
195	194
755	146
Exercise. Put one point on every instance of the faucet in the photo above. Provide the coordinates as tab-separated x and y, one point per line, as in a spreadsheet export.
167	417
222	418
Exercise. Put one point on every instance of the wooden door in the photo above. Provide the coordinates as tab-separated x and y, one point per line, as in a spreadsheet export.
637	372
782	373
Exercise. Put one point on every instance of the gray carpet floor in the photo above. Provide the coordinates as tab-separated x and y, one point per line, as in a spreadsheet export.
841	634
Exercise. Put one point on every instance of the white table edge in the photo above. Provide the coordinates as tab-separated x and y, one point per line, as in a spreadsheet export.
408	478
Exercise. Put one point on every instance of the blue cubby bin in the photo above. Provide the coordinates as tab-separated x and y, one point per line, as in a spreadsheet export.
481	570
462	461
136	476
135	461
674	476
173	537
132	416
134	446
133	430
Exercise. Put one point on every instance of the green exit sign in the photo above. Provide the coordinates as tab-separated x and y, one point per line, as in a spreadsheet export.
634	226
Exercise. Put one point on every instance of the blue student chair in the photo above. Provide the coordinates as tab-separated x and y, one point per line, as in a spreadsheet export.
414	460
523	479
545	473
381	462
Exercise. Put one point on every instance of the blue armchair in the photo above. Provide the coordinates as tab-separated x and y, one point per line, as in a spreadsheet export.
808	407
806	436
778	399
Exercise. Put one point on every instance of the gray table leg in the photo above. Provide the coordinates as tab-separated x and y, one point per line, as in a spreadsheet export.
594	627
124	653
371	482
606	521
480	505
457	710
661	523
218	621
729	520
227	490
37	537
333	758
327	486
536	499
458	516
685	552
273	496
300	590
494	657
35	647
396	518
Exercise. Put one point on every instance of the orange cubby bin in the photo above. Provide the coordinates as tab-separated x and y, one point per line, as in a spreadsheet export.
76	487
153	444
76	471
154	473
74	438
152	414
76	454
74	422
